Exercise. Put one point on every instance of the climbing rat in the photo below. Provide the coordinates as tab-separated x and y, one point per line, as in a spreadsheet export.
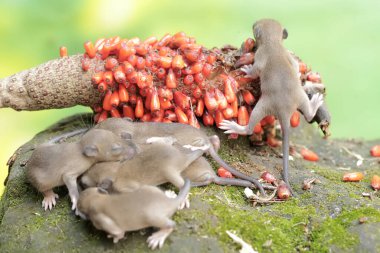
184	135
145	207
54	165
281	91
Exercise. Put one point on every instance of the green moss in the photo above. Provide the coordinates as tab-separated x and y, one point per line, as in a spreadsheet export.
334	231
285	230
299	224
2	207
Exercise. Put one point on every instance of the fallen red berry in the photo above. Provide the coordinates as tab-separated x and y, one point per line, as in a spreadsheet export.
283	191
375	151
268	177
295	119
353	177
222	172
375	182
309	155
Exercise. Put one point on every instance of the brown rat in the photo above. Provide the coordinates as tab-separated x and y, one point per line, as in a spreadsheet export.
184	135
158	163
53	165
199	172
282	93
148	206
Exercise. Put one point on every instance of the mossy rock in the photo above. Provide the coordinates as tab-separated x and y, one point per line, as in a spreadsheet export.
323	219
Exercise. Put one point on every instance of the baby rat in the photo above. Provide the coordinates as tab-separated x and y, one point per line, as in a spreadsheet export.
184	135
199	172
54	165
148	206
281	91
158	163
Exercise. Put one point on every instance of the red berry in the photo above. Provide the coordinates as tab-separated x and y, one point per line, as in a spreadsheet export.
198	78
90	49
295	119
63	51
178	62
97	78
140	63
243	116
268	177
171	81
110	63
283	191
211	58
161	73
196	68
353	177
309	155
189	79
375	151
128	112
375	182
206	71
85	64
222	172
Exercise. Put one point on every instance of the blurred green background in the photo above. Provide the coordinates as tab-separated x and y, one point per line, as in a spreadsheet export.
339	39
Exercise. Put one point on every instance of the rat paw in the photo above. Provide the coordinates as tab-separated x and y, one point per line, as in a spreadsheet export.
80	214
116	237
248	70
74	200
49	200
157	239
232	127
316	101
185	203
170	194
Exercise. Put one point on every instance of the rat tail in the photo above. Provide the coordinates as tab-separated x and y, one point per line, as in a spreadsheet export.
64	136
184	191
234	172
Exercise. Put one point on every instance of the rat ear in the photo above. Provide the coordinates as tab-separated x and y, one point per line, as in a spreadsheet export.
90	151
125	135
284	34
256	30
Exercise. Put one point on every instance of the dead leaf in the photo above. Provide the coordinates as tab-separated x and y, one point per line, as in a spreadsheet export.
246	248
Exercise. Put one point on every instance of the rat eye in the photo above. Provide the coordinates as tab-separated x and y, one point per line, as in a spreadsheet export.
284	33
116	149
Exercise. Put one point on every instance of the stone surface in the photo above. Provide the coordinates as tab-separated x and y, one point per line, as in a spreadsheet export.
323	219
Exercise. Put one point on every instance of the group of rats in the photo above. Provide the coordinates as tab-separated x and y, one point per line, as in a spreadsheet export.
120	163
